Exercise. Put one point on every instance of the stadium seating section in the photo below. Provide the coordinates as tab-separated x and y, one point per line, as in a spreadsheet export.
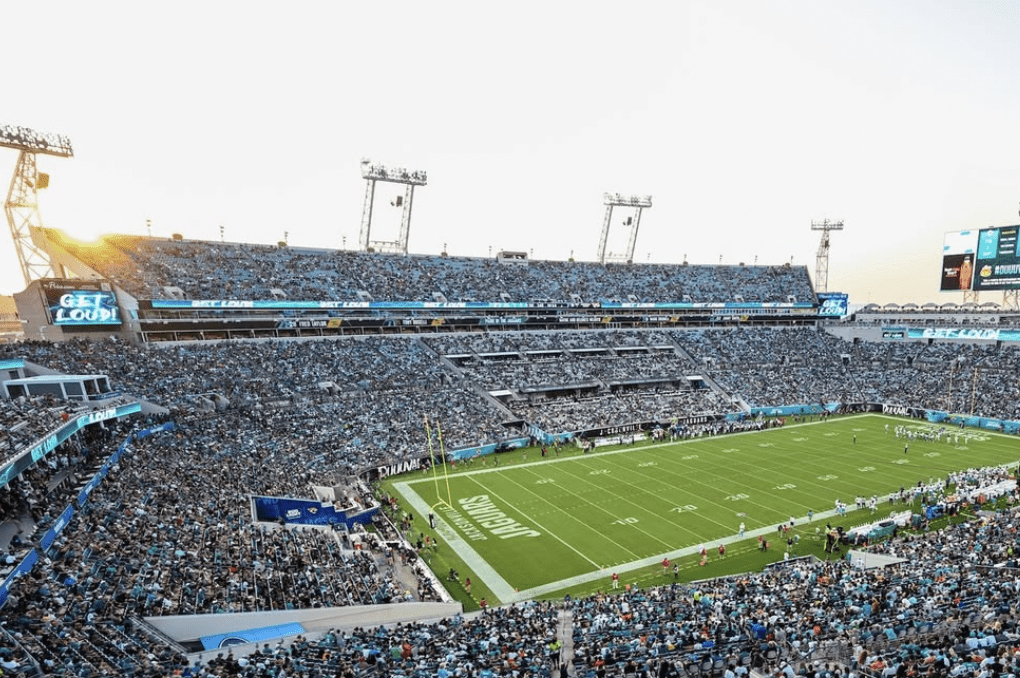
170	532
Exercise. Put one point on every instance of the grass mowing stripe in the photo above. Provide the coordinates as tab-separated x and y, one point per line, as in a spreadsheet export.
702	517
657	516
532	520
753	463
688	479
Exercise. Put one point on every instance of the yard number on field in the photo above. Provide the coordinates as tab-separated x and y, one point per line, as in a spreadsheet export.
684	509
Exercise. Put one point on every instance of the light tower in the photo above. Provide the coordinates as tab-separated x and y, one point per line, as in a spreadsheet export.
822	258
22	206
1011	300
612	200
395	175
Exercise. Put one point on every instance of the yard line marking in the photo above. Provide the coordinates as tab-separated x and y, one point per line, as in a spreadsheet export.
731	484
639	507
595	505
547	530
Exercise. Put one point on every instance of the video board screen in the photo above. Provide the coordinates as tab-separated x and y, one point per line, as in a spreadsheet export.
983	259
81	303
997	266
958	251
833	304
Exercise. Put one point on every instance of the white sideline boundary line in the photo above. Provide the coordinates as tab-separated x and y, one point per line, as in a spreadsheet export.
499	586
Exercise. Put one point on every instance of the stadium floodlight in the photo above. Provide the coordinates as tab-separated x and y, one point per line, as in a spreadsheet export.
397	175
611	200
822	258
373	172
624	201
25	139
22	206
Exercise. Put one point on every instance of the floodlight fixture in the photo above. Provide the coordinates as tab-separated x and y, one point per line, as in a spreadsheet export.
373	172
397	175
635	202
25	139
618	200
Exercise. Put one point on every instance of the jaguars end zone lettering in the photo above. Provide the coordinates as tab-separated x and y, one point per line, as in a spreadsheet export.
484	512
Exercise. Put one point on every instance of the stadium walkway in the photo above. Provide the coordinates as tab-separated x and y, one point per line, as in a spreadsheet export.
566	638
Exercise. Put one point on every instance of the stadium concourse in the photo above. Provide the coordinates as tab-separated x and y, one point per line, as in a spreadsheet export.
170	532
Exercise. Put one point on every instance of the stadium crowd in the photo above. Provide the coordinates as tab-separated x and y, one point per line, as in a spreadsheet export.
170	530
138	551
557	381
24	421
149	268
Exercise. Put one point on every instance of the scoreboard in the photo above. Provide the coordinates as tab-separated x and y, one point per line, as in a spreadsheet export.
81	303
983	259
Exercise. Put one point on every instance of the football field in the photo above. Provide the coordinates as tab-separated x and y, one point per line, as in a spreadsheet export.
531	526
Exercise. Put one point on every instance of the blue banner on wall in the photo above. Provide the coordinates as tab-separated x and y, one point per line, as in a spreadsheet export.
484	305
12	364
967	333
58	527
789	410
251	635
974	422
22	568
302	511
469	452
306	512
145	433
92	484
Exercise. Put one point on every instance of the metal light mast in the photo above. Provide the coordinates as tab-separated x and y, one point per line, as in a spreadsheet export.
612	200
822	259
22	206
396	175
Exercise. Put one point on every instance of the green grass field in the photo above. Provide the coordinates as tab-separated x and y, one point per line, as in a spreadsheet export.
535	527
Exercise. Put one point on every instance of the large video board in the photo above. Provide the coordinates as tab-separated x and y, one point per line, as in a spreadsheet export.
983	259
997	266
958	250
81	302
833	304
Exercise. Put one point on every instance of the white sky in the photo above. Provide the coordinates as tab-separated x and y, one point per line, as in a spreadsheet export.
745	121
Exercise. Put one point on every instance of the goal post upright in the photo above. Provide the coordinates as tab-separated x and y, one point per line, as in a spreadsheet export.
448	501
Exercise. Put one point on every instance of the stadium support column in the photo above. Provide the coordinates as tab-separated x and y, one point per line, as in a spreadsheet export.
822	258
22	205
605	232
405	218
373	173
612	200
366	215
